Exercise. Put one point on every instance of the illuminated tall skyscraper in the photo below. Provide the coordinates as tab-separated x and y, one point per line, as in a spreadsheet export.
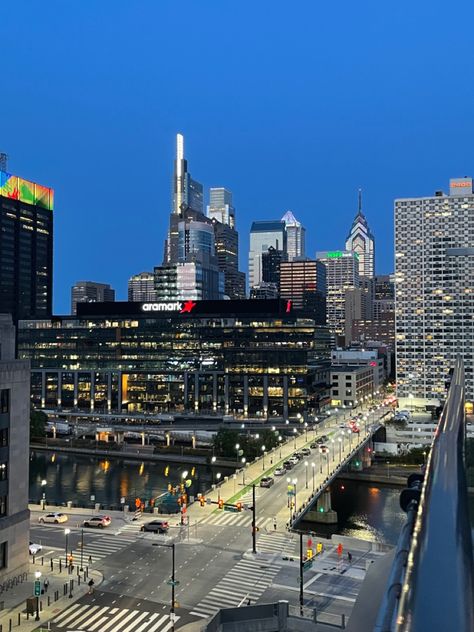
295	236
434	292
264	234
220	206
186	191
361	241
26	248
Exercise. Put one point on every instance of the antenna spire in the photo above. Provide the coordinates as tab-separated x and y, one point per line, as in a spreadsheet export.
360	201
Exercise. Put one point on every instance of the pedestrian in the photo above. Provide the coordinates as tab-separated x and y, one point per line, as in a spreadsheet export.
249	601
274	524
90	559
46	585
91	586
349	556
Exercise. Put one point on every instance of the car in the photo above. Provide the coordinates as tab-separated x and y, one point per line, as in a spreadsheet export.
156	526
305	451
55	518
342	424
314	444
35	548
288	465
297	455
279	471
97	521
323	449
266	481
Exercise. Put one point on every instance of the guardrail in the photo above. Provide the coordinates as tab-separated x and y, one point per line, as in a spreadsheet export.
431	586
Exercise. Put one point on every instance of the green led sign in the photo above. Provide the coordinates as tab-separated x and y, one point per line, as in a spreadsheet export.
334	255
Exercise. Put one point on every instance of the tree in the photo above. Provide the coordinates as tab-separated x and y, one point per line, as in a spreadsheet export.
225	442
38	421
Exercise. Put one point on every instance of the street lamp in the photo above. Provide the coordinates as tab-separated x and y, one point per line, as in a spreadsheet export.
287	421
213	459
306	473
350	437
243	460
313	465
294	433
66	533
332	441
37	578
315	426
295	480
306	430
218	476
237	448
43	500
340	455
280	438
263	462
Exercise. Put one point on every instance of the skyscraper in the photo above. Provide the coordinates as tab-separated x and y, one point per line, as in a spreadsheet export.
141	287
361	241
227	252
295	235
304	284
26	248
342	274
264	234
220	206
90	292
434	291
186	191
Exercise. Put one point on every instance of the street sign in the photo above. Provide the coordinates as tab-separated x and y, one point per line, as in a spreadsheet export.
37	588
170	582
307	565
227	508
208	501
92	498
122	500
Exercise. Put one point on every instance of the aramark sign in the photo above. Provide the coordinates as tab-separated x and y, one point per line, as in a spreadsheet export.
174	306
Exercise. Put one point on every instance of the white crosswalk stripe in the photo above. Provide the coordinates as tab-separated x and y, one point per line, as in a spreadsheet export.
96	550
90	618
248	579
240	519
275	542
132	528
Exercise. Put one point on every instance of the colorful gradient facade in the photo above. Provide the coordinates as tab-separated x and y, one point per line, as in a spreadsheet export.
17	188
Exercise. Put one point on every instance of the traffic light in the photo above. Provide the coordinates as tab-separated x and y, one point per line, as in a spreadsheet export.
319	547
180	501
202	501
239	506
170	487
309	554
220	503
183	499
181	487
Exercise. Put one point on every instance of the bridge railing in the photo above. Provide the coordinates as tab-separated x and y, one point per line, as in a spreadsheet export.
432	582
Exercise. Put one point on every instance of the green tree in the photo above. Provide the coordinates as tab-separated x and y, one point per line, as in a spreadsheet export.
225	441
38	421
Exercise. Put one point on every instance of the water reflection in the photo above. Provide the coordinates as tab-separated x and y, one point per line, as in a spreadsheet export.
77	478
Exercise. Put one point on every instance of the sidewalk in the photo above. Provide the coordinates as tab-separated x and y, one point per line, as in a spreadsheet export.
63	590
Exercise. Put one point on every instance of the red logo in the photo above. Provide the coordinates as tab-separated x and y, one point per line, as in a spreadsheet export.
188	307
288	306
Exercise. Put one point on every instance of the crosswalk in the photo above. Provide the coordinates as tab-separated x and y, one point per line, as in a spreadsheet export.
240	519
94	550
130	528
247	580
276	542
93	618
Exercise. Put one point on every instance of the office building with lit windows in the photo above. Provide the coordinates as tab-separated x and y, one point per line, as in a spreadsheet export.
246	358
434	292
264	234
295	236
26	247
342	275
361	241
90	292
141	287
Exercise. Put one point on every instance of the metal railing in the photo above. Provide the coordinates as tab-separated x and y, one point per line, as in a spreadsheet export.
433	588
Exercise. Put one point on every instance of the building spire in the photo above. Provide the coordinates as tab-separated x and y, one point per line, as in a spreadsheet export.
360	202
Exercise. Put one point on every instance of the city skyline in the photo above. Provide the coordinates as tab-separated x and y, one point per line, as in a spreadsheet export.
273	136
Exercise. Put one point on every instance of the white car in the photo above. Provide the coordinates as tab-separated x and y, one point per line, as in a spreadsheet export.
55	518
279	471
35	548
342	424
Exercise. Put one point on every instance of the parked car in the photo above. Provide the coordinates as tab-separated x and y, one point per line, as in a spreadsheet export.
288	465
156	526
279	471
342	424
323	449
314	444
97	521
305	451
297	455
266	481
35	548
55	518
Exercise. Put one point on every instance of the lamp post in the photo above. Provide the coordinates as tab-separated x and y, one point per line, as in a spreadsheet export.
82	550
37	578
294	436
295	480
340	451
218	476
306	430
243	470
213	459
321	460
327	460
280	438
350	437
332	441
313	465
306	473
66	533
237	448
43	500
263	460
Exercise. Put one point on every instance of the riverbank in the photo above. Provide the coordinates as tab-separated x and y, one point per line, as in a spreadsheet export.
137	454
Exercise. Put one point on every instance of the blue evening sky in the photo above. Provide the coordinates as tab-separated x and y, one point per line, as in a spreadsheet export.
291	105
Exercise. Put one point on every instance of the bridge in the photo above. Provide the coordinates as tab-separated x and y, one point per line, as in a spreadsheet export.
428	581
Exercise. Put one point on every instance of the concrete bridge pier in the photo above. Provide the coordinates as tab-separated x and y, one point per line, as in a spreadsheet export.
323	512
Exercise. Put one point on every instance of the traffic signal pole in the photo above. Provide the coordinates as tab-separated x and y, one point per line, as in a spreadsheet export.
254	525
301	571
172	585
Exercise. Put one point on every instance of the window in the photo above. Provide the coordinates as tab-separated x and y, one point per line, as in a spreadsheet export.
3	555
3	437
3	505
4	400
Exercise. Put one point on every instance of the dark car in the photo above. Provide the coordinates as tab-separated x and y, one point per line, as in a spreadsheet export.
266	481
297	455
156	526
314	445
288	465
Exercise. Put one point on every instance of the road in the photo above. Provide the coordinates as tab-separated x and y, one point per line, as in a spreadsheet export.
214	564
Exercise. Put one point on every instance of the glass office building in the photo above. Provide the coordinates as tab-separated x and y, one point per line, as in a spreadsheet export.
246	358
